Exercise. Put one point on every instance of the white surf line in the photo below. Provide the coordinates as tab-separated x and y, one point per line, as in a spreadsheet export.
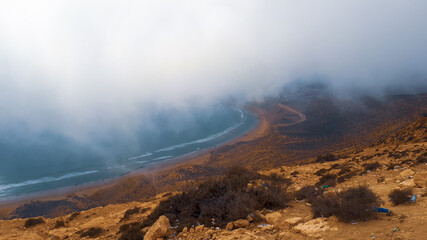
161	158
242	115
44	180
202	140
140	156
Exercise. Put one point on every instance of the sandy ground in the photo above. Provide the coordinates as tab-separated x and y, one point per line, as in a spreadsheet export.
406	222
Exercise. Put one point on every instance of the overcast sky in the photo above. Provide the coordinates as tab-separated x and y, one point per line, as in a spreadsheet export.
67	64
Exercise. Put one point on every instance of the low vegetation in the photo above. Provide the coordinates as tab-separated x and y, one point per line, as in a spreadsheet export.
131	231
329	157
59	223
92	232
355	203
219	201
400	196
422	158
308	193
321	172
371	166
73	216
328	179
33	222
130	212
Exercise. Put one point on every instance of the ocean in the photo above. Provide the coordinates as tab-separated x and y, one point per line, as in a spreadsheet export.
33	164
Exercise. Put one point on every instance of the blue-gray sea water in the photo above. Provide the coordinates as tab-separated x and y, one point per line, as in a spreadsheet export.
49	161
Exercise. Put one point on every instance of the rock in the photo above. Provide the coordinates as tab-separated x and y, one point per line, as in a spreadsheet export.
200	228
407	183
145	230
276	219
229	226
185	229
249	218
259	216
313	228
159	229
405	174
293	220
241	223
420	179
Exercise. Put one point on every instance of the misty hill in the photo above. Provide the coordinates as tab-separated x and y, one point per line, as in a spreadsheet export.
394	161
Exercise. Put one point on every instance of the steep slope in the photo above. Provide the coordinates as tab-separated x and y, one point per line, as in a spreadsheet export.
395	163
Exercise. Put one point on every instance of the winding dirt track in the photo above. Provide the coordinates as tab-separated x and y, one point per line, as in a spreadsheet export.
301	116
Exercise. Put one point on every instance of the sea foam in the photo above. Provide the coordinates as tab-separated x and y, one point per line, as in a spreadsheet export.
44	180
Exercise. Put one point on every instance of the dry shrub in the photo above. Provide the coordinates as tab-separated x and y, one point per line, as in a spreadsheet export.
73	216
33	222
130	212
328	179
321	172
308	193
355	203
345	177
391	166
421	159
328	157
344	169
131	231
398	196
59	223
371	166
92	232
234	196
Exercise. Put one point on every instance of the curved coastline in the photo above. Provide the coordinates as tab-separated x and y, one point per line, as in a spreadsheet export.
198	156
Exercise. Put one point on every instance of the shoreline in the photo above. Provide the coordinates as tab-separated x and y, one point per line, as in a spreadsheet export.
198	157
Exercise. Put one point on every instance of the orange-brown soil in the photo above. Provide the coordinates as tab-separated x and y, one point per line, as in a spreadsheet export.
290	136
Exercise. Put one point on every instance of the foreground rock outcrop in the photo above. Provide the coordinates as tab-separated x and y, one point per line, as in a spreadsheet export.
159	229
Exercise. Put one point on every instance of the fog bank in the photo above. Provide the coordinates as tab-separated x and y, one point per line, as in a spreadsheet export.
83	67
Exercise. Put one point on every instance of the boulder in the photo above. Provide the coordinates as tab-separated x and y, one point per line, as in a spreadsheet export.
294	220
313	228
159	229
241	223
407	183
406	174
420	179
199	228
229	226
276	219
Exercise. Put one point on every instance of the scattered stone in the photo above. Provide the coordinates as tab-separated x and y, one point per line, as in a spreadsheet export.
420	179
249	218
159	229
229	226
405	174
276	219
241	223
313	228
293	220
266	227
185	229
200	228
407	183
259	216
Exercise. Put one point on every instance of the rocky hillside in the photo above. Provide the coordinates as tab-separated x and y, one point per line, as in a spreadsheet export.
335	196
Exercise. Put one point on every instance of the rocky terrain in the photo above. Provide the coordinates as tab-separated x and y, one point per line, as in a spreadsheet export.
328	194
